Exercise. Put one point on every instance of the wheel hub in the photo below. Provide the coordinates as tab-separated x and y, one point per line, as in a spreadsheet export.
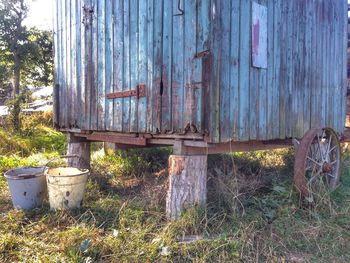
327	168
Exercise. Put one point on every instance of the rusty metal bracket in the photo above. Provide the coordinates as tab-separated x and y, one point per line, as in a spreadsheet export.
139	92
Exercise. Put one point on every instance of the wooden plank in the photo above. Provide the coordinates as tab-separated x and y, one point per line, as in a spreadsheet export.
214	87
254	74
88	63
324	73
253	102
110	137
276	54
118	62
189	52
263	104
109	55
261	60
82	71
57	60
326	35
101	64
79	115
331	85
150	66
157	65
337	108
126	66
142	64
308	68
224	72
343	66
334	62
167	66
94	68
314	120
73	93
69	76
218	148
343	39
282	74
63	91
300	69
244	67
177	70
340	79
234	69
134	61
203	39
271	87
289	113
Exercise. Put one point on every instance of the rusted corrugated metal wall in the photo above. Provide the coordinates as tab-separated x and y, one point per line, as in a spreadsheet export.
195	58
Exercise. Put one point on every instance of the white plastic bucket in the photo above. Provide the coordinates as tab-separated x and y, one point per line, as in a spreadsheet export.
27	186
66	186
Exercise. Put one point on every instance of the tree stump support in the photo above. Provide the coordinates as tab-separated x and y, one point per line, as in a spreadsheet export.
80	147
187	181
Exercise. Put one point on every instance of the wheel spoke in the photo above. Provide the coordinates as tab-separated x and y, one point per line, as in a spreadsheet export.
314	161
331	175
319	146
333	148
319	159
327	153
314	177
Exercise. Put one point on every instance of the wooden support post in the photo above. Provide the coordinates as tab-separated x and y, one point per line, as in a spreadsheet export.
187	183
80	147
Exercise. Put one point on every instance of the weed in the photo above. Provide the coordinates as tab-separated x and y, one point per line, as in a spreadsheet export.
252	213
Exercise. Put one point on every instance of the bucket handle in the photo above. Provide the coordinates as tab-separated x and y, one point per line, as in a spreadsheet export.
61	157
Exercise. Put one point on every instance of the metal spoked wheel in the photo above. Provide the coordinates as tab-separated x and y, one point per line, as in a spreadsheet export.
317	163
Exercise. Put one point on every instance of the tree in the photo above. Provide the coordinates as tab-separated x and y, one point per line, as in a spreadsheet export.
38	68
26	52
13	35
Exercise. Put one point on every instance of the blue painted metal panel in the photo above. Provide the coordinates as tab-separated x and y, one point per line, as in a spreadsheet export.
195	59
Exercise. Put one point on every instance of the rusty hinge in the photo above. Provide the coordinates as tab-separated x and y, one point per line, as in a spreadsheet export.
140	91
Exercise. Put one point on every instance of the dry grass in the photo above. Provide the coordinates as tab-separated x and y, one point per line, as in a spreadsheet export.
252	215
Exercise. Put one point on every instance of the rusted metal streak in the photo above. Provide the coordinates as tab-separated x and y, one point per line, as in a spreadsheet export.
117	139
202	54
140	91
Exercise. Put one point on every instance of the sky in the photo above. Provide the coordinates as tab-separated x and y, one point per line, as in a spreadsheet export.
40	14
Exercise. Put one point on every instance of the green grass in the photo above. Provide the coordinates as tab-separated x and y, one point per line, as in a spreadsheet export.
252	214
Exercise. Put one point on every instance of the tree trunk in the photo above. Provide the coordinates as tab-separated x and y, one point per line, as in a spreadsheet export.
187	183
79	147
17	75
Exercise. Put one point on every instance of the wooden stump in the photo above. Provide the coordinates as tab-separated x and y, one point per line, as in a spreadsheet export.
81	148
187	183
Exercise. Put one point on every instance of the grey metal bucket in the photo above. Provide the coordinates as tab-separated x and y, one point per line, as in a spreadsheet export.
27	187
66	186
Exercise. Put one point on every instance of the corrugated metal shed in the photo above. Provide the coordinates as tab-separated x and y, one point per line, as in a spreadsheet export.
240	69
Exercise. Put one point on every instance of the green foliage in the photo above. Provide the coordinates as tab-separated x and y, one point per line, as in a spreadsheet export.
39	65
253	214
133	162
33	47
11	143
34	137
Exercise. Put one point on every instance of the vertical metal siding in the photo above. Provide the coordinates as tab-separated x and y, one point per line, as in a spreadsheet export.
113	45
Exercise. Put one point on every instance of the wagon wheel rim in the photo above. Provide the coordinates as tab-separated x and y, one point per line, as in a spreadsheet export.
317	163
